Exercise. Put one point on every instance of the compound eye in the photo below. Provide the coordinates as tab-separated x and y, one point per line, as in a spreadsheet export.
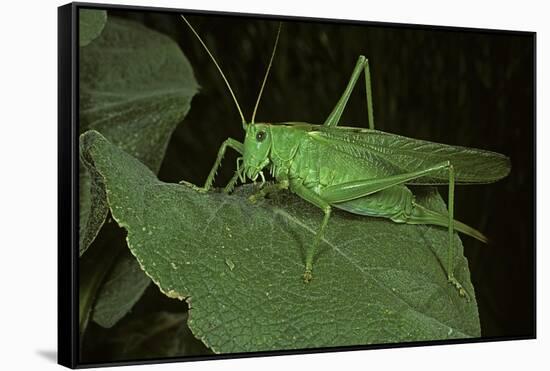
260	136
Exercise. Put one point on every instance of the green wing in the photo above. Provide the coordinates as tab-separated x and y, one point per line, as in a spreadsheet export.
395	154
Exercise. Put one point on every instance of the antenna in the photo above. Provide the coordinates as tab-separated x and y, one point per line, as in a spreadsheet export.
219	69
266	73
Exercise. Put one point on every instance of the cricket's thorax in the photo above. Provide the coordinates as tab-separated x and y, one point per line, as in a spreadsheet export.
296	155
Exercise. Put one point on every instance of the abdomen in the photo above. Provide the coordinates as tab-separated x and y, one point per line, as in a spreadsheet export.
395	203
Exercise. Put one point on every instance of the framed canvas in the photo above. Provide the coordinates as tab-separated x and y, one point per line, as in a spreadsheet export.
235	185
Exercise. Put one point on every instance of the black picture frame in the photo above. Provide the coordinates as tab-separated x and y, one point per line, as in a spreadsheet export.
68	188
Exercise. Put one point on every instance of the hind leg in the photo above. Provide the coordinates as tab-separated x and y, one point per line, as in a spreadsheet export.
356	189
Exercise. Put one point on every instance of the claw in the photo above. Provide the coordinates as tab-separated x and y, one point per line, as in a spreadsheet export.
192	186
308	276
461	291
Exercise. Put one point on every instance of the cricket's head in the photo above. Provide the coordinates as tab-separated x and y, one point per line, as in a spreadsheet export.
257	146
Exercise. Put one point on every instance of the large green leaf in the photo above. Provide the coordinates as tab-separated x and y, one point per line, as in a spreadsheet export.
135	87
91	24
239	265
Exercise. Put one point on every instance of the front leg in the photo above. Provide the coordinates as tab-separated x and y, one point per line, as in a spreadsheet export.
313	198
238	175
229	142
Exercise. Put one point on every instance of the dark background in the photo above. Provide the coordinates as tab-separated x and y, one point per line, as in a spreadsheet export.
466	88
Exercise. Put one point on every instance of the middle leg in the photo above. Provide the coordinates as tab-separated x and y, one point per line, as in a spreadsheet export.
270	188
